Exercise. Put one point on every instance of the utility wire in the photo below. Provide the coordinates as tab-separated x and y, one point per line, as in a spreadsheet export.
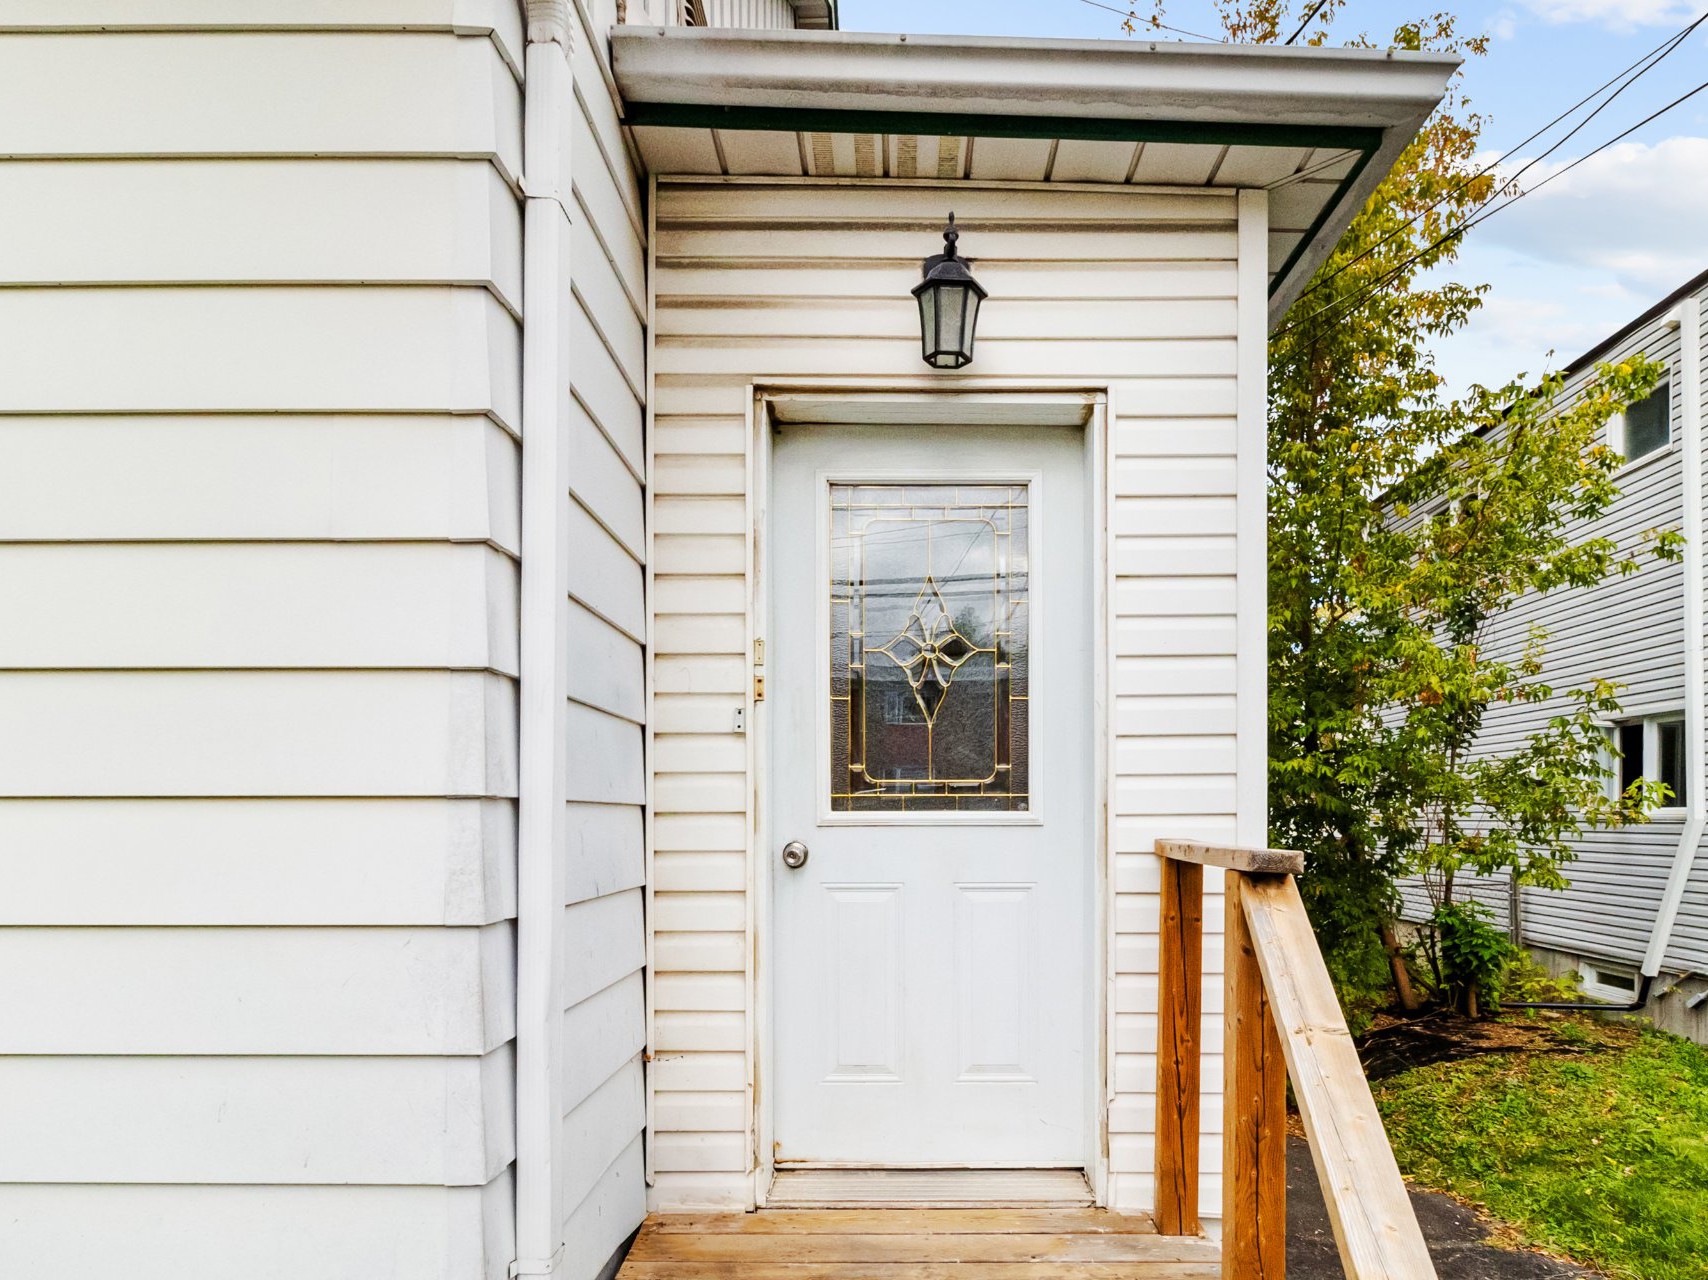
1484	214
1658	53
1307	21
1132	15
1567	168
1311	171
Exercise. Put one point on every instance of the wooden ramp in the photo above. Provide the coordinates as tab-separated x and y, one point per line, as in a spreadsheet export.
915	1244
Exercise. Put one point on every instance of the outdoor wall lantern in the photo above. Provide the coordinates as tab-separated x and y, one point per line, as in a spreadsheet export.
949	300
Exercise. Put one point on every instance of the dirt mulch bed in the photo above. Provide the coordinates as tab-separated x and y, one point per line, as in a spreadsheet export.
1395	1044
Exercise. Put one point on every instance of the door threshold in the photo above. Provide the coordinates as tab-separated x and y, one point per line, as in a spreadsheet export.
937	1188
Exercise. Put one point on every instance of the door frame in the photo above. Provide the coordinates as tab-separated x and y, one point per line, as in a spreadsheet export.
971	401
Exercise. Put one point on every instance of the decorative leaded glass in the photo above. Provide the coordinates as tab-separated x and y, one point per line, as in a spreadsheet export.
928	638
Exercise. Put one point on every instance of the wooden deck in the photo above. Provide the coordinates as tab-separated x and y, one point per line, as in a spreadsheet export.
1282	1021
915	1244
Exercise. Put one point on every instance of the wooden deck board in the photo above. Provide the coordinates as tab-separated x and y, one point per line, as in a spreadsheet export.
923	1271
918	1244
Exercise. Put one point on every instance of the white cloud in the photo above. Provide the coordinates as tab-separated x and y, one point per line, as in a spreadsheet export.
1617	15
1635	211
1525	328
1503	25
1542	332
1573	260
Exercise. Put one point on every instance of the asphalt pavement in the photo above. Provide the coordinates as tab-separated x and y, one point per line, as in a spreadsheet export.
1459	1240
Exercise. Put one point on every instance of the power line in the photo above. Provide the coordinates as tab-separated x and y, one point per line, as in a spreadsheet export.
1663	49
1311	171
1306	22
1567	168
1484	214
1132	15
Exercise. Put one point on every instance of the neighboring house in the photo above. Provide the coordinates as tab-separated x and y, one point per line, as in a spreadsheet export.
439	440
1637	907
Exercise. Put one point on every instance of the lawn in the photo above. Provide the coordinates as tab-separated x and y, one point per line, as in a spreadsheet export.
1590	1139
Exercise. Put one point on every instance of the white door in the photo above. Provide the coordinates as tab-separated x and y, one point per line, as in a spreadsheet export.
930	655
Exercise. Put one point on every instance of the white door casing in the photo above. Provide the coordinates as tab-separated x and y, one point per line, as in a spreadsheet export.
932	961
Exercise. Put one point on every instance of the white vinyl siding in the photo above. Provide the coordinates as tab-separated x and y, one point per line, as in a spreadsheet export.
1625	629
775	15
602	1187
1135	291
258	544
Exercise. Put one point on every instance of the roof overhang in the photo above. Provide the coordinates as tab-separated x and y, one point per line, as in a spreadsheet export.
1323	125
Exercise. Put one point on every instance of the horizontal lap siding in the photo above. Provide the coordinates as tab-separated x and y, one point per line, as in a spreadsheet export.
258	540
1137	292
1625	629
602	1186
775	15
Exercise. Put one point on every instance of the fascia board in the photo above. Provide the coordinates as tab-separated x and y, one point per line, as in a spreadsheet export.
1104	79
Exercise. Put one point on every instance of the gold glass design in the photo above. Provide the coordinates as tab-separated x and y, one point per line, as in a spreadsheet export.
928	648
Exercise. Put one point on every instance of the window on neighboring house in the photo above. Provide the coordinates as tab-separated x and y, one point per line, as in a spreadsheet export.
1453	510
1652	748
1646	425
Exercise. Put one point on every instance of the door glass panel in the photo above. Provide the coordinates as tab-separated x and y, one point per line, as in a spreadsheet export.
928	647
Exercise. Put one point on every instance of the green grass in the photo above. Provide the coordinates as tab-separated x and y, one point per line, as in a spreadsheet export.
1598	1150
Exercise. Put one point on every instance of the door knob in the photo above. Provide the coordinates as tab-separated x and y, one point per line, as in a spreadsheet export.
794	855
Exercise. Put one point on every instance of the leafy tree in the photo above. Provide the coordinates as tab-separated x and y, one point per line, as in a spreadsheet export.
1402	519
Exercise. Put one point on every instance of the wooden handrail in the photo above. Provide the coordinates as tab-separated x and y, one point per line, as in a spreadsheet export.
1282	1020
1267	862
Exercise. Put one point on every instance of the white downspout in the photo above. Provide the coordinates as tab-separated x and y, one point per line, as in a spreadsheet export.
542	769
1688	318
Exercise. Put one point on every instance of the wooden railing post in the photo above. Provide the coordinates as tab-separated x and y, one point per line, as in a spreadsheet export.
1254	1132
1180	1014
1282	1021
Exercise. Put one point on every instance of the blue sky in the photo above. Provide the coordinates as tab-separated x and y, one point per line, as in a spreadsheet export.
1566	265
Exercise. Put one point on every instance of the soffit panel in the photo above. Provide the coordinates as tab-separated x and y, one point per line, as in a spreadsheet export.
1316	128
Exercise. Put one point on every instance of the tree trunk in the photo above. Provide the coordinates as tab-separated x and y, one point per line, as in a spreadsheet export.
1402	974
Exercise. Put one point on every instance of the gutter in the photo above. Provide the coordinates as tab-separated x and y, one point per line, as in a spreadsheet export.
1687	318
542	768
991	75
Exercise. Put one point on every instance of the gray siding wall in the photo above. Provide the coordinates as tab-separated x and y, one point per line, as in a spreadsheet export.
1627	630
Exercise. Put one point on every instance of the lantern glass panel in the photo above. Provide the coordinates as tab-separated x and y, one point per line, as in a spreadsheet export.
951	317
970	324
928	320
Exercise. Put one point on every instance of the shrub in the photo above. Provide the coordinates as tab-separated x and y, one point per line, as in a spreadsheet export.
1475	955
